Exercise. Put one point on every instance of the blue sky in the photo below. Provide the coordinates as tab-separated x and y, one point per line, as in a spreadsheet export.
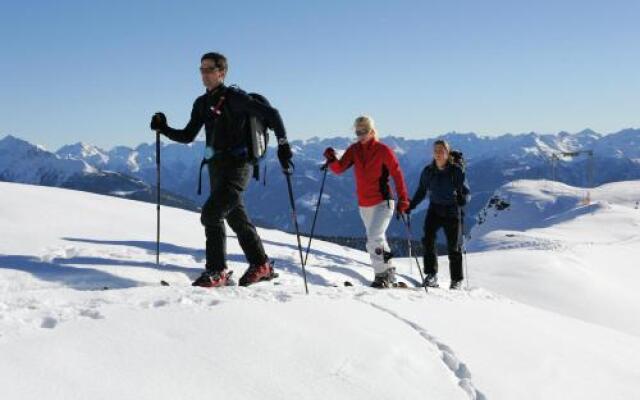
95	71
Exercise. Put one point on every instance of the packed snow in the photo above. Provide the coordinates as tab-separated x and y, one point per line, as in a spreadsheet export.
82	313
565	249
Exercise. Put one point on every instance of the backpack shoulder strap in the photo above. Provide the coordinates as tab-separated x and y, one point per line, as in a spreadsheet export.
235	88
452	173
217	109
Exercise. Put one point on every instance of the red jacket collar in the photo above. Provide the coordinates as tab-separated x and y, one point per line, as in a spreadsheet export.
368	145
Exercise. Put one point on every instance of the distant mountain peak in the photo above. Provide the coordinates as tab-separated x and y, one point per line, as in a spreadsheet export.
460	134
86	147
589	132
84	151
13	143
13	140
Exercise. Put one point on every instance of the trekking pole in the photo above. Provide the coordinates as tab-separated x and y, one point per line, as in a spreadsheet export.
158	199
407	223
324	168
464	248
287	175
162	282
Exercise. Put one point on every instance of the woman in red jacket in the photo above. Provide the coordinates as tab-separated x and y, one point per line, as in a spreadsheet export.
373	162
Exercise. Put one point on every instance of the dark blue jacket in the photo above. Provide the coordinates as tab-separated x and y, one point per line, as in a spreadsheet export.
447	187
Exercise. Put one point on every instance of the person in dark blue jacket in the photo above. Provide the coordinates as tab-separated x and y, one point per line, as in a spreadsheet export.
445	183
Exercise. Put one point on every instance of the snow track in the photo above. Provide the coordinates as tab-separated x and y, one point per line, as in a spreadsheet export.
459	369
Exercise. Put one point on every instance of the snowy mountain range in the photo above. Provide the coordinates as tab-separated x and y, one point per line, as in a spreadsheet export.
24	162
492	162
551	310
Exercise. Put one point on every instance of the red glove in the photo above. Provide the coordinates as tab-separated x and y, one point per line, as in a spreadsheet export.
330	155
403	206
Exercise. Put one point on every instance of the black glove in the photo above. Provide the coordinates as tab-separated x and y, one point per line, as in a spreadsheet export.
461	199
158	122
285	155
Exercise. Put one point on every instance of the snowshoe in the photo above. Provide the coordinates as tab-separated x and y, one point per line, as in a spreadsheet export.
380	283
456	285
384	279
400	285
211	279
258	273
431	281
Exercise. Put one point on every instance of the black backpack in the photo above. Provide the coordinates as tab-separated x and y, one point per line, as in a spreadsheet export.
458	159
257	133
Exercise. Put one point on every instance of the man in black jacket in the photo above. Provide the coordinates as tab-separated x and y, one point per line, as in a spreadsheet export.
224	112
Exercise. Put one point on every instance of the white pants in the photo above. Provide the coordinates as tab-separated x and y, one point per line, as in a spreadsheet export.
376	221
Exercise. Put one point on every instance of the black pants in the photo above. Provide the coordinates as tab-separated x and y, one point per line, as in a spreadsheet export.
229	178
448	218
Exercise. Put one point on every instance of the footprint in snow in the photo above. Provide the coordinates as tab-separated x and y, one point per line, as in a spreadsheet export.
160	303
94	314
49	323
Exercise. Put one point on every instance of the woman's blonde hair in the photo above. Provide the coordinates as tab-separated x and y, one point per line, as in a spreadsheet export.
447	147
367	122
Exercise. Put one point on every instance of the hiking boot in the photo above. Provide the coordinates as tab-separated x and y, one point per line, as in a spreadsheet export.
258	273
211	279
456	285
431	280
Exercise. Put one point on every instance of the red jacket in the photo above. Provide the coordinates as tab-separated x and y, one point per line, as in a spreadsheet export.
374	162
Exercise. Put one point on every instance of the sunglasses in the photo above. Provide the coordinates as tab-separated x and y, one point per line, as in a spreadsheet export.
361	132
208	70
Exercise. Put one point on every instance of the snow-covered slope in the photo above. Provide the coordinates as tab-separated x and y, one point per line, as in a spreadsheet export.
62	337
542	243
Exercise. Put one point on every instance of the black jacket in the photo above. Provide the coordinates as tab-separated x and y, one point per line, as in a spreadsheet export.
445	187
227	131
